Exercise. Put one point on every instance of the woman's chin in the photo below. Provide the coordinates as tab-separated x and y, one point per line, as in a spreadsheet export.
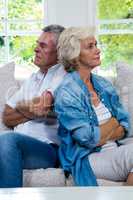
98	63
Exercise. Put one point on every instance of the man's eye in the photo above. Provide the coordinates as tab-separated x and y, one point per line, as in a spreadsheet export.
42	45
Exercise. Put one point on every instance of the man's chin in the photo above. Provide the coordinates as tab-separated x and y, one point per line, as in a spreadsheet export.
36	63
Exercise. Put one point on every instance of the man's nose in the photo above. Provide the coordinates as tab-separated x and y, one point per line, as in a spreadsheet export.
36	49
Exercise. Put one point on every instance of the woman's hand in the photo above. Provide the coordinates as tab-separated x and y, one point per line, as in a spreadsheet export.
111	130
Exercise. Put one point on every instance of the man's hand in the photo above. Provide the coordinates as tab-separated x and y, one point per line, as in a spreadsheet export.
22	107
27	110
11	117
37	107
40	106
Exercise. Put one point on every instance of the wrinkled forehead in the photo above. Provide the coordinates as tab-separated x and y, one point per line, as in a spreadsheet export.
87	41
46	37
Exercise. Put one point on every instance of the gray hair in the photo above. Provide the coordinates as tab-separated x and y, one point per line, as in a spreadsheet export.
69	44
55	29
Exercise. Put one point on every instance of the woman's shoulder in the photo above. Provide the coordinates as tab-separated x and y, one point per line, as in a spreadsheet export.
68	87
67	79
102	80
98	77
67	82
104	84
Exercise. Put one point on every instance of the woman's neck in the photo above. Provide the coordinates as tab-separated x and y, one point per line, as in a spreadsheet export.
85	76
84	73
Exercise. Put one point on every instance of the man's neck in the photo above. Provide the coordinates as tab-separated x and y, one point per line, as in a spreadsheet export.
45	69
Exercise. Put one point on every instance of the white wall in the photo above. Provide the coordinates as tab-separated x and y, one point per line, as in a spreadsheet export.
71	12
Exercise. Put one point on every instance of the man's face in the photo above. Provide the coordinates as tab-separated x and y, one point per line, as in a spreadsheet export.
45	51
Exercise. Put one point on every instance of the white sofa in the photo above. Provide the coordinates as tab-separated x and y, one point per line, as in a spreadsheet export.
51	176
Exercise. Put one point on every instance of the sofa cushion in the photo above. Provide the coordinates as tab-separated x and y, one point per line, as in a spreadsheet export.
7	87
44	177
124	86
101	182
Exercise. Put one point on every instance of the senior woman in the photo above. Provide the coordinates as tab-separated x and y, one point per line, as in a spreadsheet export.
92	119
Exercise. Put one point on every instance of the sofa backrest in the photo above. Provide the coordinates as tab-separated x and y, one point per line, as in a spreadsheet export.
123	83
8	85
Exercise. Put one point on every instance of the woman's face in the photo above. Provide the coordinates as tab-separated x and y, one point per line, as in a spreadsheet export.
89	53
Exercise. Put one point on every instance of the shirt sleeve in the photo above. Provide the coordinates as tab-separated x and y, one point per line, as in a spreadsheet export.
18	95
74	117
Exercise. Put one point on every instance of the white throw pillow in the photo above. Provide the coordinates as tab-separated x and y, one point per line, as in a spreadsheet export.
124	86
7	85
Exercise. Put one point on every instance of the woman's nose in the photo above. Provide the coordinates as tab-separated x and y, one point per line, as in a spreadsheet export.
98	51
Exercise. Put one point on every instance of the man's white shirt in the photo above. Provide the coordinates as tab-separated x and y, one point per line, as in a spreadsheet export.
34	87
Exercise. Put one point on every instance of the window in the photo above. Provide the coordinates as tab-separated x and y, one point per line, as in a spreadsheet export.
116	31
20	24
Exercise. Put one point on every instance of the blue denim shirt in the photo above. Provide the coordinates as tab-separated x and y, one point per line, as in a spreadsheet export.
79	129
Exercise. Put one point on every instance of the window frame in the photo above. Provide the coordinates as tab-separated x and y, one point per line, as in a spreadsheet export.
6	32
115	31
112	31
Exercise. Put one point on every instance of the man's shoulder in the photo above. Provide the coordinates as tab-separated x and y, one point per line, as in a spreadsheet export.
34	76
28	81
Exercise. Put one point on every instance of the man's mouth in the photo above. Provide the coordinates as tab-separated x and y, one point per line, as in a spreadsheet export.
37	57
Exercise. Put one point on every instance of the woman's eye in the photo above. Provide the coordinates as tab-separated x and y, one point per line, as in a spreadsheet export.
90	46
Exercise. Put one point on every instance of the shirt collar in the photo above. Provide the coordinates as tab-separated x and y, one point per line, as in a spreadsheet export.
54	67
40	74
77	78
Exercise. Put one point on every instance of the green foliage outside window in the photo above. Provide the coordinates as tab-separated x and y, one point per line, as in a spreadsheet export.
21	47
116	47
112	9
23	9
25	46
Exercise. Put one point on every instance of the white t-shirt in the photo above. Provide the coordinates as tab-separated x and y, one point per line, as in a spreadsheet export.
33	87
103	115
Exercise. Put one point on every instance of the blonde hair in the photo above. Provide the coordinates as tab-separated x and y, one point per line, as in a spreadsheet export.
69	44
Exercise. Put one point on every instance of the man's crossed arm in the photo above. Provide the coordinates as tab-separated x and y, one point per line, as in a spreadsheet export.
28	110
